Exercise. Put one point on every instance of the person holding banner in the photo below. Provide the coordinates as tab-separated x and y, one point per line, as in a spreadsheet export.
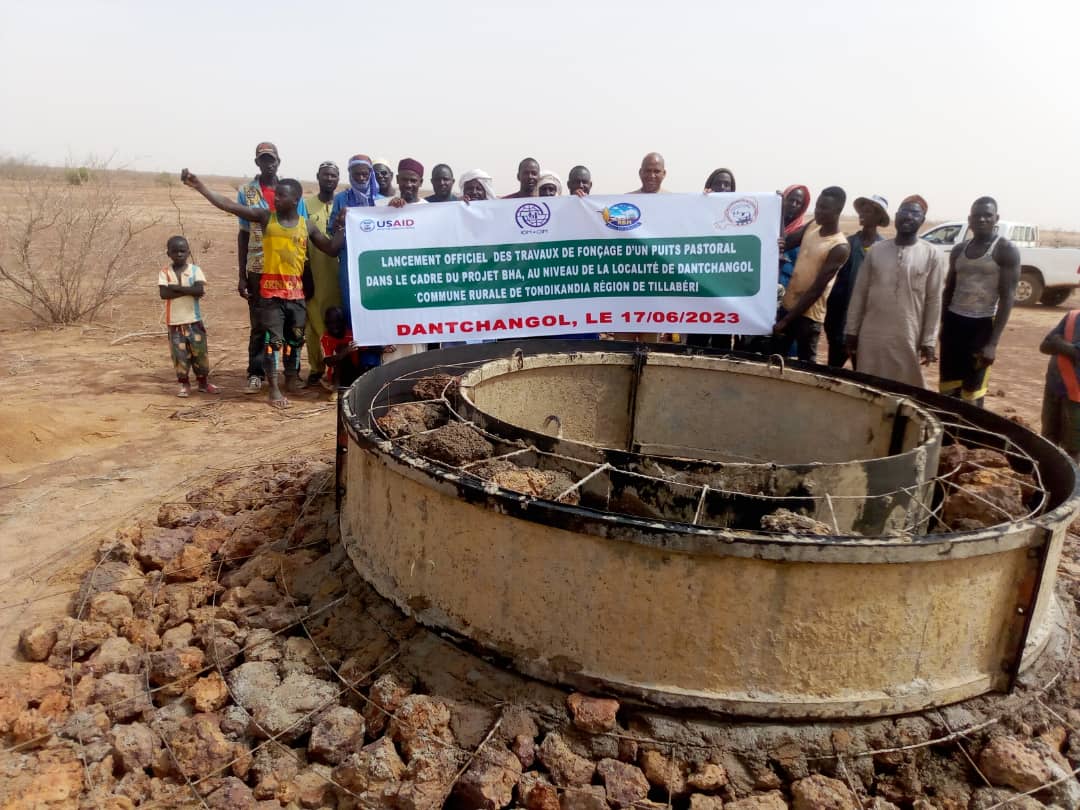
823	249
528	176
281	308
476	185
410	176
651	174
720	181
363	190
579	182
442	181
549	185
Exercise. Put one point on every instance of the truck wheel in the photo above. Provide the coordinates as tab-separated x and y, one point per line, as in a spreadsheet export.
1030	288
1056	296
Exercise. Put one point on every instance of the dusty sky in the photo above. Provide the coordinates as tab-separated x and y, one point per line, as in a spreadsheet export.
888	98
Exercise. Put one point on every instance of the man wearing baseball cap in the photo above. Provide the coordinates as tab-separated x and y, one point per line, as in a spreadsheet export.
259	193
895	307
873	213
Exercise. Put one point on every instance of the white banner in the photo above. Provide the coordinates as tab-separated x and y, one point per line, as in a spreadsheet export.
687	263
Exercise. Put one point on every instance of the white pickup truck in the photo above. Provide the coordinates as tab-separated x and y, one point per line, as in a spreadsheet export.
1047	275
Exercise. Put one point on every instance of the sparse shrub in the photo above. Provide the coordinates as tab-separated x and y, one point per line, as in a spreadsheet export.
68	249
164	179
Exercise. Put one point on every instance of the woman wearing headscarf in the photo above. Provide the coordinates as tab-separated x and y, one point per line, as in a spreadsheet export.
796	201
476	185
721	180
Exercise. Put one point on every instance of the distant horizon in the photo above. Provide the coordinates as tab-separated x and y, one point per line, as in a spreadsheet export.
931	98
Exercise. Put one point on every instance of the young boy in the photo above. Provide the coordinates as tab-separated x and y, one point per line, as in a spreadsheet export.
344	360
281	308
1061	396
181	286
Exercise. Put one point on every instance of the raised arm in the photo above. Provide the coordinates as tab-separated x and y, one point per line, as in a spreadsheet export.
329	245
259	215
833	262
1007	257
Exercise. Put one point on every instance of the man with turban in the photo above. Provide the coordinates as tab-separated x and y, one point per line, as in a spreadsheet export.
549	185
476	185
363	191
895	306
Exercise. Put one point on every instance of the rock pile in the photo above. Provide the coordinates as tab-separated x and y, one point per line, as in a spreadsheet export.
981	488
227	656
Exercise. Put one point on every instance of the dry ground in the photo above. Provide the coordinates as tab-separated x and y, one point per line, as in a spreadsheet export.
91	431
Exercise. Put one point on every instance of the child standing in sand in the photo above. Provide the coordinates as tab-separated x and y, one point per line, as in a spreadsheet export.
181	284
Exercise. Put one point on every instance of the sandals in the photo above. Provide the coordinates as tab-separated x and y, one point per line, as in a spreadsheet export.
185	390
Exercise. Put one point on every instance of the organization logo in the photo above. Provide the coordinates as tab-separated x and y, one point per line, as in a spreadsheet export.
743	211
531	216
622	216
369	225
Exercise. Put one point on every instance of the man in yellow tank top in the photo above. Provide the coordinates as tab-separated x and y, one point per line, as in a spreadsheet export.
281	305
823	249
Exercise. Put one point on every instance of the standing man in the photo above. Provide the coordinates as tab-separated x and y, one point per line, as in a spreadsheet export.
873	213
259	193
410	175
895	306
822	252
442	182
651	174
579	182
978	299
324	271
363	191
528	176
384	176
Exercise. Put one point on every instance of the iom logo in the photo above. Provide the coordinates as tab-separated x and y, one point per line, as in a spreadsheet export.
742	212
622	216
531	217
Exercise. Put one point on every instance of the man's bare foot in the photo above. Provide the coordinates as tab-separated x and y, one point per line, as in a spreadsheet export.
278	400
292	385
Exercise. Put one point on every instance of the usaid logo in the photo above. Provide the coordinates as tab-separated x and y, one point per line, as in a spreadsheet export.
393	224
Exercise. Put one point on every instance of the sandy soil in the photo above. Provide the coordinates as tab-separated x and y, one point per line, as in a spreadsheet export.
92	434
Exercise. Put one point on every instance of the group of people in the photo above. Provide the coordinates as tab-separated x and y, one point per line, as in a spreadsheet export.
883	304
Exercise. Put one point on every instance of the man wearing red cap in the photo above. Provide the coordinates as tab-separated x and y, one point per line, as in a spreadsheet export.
895	306
410	176
259	193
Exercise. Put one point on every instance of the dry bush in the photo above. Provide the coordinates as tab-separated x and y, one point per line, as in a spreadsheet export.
66	249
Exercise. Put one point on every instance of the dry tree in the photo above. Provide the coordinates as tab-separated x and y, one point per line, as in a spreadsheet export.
66	250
